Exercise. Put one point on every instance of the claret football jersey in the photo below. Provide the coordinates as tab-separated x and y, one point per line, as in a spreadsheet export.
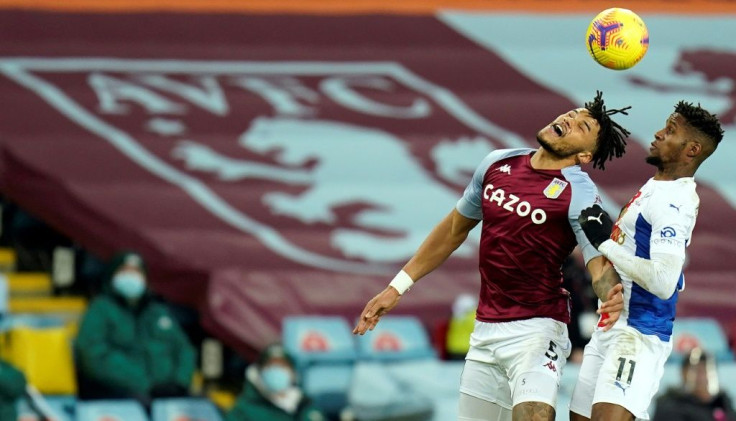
529	226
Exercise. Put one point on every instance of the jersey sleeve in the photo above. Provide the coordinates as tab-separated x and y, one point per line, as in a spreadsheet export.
673	218
470	203
584	194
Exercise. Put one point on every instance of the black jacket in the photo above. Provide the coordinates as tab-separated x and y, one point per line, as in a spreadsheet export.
677	405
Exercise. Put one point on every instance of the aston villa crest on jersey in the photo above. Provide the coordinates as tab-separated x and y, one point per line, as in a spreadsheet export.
555	188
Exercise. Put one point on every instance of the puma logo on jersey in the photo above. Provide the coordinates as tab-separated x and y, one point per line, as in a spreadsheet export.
505	168
513	204
596	218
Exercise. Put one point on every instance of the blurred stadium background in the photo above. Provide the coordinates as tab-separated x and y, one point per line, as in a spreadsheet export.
273	160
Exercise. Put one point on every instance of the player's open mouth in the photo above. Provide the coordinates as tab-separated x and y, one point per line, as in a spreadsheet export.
558	129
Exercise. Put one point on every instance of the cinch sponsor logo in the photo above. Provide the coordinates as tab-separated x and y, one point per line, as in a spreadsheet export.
513	204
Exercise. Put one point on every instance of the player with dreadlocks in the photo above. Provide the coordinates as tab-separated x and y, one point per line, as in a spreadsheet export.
611	133
529	201
622	366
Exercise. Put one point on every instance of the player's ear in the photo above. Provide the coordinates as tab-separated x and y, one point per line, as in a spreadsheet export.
584	157
693	149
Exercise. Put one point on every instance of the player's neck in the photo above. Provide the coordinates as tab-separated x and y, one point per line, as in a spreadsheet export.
543	160
672	173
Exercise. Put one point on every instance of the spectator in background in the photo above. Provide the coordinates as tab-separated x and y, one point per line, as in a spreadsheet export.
12	388
129	345
699	397
271	391
460	326
583	303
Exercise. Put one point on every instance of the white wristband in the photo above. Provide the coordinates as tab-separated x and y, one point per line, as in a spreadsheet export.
401	282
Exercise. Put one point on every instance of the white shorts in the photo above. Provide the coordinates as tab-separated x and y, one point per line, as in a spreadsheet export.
513	362
622	366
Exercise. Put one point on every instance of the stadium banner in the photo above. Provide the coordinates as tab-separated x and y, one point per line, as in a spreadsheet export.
277	164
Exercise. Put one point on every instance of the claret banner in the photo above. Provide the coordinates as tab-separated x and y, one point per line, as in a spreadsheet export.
271	164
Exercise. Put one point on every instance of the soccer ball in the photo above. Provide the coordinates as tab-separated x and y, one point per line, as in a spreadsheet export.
617	38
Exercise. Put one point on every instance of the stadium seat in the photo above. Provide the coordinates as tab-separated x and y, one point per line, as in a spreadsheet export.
727	376
318	339
29	283
8	259
30	320
40	304
62	407
671	377
108	410
44	355
184	409
405	390
396	338
689	332
324	352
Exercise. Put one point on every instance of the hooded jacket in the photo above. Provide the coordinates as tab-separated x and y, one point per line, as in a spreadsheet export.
12	387
254	404
131	348
679	405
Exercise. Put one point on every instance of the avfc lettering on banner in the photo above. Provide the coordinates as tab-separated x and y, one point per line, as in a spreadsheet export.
283	131
513	204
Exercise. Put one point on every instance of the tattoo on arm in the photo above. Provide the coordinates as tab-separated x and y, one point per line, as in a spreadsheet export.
608	280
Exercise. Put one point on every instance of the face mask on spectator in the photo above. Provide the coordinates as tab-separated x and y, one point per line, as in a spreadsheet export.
130	285
276	378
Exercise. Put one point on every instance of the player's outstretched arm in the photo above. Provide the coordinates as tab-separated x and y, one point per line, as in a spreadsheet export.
660	273
445	238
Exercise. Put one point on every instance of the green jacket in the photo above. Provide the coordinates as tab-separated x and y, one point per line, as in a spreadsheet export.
12	387
133	348
252	405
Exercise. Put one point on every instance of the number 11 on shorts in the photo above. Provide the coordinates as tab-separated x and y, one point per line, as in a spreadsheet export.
621	365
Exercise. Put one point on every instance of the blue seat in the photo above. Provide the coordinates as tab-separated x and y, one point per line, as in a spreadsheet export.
107	410
180	409
318	339
396	338
727	374
324	352
38	321
62	408
689	332
328	385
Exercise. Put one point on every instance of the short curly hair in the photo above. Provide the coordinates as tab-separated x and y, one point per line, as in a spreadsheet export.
611	136
701	120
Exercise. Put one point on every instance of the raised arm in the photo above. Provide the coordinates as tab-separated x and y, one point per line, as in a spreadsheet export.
444	239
